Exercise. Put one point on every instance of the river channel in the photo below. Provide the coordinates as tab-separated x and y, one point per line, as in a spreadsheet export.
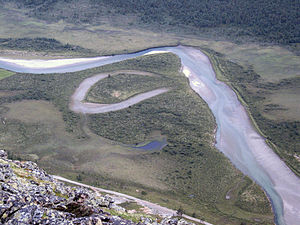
235	135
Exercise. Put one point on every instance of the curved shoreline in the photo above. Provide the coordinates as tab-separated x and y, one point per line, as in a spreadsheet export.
235	136
239	141
78	105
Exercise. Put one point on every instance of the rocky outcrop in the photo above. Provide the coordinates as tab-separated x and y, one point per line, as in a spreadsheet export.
28	195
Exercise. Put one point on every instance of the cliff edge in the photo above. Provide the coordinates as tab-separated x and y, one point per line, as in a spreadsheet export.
28	195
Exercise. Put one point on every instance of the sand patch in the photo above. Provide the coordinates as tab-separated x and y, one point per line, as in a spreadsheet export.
52	63
116	94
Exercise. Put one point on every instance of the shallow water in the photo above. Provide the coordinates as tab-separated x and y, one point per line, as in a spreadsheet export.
235	136
153	145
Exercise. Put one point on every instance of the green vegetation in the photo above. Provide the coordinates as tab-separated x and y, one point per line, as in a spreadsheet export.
5	73
122	86
130	206
274	117
39	44
37	123
60	140
103	38
275	21
134	217
172	113
118	33
252	199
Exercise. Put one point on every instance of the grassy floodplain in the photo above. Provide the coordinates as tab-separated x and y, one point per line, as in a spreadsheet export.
265	76
5	73
37	125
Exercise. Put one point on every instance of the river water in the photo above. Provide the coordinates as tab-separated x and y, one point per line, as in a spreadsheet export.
235	136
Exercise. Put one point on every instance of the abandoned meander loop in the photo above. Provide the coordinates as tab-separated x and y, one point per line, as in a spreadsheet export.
235	136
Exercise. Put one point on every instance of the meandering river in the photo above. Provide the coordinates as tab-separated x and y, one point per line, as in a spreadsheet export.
235	136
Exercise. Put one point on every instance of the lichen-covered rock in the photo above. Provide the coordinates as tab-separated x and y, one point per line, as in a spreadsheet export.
3	154
146	220
170	220
28	195
106	201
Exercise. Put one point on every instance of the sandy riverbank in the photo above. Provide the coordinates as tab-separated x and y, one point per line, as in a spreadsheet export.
52	63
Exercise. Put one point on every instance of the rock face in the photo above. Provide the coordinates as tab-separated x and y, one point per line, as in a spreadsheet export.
28	195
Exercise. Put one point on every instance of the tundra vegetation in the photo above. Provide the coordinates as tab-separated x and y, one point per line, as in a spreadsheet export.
40	44
36	123
260	20
189	172
5	73
123	86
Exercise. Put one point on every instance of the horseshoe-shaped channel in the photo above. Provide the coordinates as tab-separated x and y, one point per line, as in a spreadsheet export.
78	104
